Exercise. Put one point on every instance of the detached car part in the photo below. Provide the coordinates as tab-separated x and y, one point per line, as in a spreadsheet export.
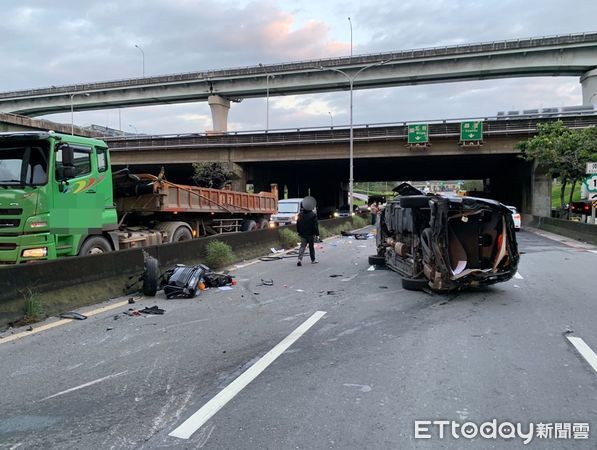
183	281
446	242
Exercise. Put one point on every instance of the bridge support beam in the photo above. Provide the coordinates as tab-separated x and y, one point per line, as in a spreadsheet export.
541	192
589	87
219	112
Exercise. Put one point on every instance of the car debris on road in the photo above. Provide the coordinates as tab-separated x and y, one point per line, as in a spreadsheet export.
445	243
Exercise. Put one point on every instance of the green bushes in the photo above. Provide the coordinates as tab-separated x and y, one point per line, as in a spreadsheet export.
358	221
34	311
218	255
288	238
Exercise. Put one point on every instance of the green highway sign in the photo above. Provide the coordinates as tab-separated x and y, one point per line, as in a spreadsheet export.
591	184
471	131
418	133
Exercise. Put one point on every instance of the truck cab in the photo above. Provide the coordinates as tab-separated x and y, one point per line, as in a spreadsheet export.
55	197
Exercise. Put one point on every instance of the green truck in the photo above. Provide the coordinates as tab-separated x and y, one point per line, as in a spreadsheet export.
57	198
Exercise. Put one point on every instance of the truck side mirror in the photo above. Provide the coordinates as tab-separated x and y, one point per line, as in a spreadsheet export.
68	162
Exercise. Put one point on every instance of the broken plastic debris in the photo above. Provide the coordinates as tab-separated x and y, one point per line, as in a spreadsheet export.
153	310
72	315
224	288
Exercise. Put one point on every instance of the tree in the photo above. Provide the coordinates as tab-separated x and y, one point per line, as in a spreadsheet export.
563	151
211	174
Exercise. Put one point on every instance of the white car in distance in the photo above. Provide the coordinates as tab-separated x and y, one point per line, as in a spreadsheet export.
515	217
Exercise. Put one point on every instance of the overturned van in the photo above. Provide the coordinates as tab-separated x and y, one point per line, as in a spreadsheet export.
446	242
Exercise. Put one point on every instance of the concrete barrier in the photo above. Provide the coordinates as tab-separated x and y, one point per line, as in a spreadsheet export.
575	230
71	283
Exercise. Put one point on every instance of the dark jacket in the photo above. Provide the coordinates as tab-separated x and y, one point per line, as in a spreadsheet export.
306	224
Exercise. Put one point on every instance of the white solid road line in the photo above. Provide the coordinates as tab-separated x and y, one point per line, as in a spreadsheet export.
584	350
518	276
593	251
197	420
57	323
99	380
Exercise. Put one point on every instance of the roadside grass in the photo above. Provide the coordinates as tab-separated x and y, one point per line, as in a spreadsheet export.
556	190
218	255
34	311
288	237
358	221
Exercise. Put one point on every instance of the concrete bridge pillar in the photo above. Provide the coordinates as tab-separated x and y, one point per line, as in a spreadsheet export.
219	112
541	192
589	87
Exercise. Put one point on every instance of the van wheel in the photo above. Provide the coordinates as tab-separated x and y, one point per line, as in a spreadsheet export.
95	245
248	225
375	260
415	284
151	276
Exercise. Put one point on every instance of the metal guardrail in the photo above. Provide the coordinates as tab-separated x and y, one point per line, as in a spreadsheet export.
356	61
368	132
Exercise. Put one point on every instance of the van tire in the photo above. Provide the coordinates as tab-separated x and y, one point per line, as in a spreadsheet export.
95	245
375	260
151	276
414	284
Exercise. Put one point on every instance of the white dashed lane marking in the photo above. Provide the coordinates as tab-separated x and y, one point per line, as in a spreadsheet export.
584	350
198	419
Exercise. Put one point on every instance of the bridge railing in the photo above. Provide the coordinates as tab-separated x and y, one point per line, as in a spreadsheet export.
379	131
270	69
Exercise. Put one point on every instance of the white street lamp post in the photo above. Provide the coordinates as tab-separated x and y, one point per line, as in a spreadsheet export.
331	119
267	100
134	128
143	58
350	22
351	136
72	111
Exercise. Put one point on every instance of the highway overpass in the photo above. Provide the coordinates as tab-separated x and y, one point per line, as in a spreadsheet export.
567	55
316	160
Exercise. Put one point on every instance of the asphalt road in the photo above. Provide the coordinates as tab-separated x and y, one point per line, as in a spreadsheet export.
376	361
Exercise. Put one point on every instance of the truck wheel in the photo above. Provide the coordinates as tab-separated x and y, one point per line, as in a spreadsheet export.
151	276
414	284
375	260
248	225
182	234
263	224
176	231
94	246
414	201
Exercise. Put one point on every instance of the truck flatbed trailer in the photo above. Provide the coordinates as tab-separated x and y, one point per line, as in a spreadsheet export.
176	198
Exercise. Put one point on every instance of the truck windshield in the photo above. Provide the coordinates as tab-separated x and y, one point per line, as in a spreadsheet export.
288	207
23	164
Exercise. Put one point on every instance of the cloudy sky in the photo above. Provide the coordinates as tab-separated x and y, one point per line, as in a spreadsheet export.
44	43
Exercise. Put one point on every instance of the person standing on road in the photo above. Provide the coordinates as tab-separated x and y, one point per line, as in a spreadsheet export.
307	228
374	210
